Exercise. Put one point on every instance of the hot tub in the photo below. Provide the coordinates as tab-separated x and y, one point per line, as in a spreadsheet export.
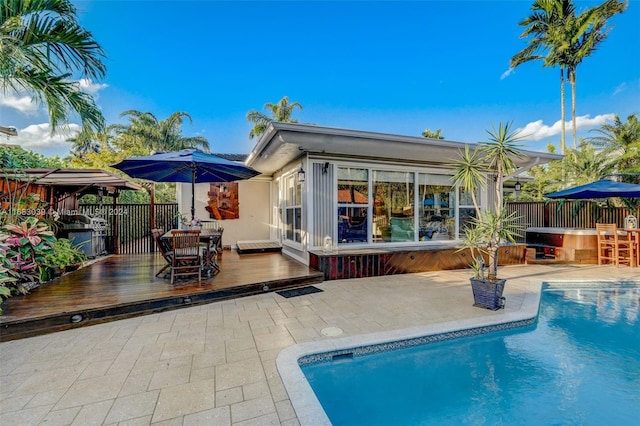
568	244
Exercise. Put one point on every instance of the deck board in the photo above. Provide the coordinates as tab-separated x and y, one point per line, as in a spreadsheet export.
122	286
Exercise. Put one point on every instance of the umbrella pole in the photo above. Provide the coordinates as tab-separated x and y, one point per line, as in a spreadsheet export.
193	193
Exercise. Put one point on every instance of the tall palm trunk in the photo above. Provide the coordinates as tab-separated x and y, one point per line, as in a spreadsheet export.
562	112
572	81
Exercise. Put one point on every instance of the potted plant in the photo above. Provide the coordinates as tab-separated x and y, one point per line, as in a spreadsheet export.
183	221
195	223
484	234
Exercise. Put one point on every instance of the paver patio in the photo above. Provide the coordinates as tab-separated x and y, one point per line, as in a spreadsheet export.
215	363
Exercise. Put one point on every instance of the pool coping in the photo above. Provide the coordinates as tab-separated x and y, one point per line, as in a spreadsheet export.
303	399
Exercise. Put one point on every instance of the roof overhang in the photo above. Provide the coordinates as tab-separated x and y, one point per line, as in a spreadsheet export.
89	179
283	143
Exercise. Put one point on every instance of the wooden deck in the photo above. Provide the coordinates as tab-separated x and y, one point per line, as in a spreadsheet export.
122	286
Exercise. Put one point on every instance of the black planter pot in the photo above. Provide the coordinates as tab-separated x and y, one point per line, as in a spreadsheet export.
488	293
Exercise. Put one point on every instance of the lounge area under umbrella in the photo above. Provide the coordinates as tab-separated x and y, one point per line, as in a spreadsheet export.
187	165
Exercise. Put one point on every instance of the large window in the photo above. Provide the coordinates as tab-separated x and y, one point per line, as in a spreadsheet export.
393	201
437	209
292	217
381	206
353	205
467	210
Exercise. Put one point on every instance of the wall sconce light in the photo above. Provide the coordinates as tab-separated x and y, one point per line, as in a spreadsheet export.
517	186
301	175
325	169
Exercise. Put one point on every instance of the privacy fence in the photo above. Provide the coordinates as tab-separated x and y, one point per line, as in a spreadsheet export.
133	224
133	221
568	214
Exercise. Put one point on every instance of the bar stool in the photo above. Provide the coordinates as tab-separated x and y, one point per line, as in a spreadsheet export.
612	246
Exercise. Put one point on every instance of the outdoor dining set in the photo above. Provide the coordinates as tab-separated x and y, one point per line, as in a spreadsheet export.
189	252
619	246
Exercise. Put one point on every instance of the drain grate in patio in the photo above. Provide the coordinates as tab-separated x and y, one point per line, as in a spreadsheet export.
301	291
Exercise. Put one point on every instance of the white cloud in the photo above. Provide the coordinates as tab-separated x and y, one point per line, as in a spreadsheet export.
36	137
86	85
24	104
537	130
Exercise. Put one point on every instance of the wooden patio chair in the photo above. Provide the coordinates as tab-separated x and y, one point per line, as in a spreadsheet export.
211	224
612	246
164	247
210	249
214	225
186	258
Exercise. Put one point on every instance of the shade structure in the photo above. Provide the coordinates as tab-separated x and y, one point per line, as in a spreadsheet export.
187	165
600	189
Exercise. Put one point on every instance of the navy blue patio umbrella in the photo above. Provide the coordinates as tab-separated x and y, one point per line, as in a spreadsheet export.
188	165
600	189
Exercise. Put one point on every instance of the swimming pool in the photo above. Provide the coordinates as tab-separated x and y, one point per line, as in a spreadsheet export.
578	364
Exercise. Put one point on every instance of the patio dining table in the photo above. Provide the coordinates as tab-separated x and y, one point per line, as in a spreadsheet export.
212	238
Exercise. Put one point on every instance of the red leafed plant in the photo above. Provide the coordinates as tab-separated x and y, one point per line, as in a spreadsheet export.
22	249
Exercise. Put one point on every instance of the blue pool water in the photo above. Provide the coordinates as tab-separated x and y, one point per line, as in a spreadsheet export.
578	365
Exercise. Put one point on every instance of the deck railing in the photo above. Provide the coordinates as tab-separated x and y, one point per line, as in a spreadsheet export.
133	223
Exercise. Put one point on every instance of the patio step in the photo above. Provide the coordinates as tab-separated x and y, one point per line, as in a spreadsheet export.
262	246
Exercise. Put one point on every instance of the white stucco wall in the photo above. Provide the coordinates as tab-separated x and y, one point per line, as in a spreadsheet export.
255	210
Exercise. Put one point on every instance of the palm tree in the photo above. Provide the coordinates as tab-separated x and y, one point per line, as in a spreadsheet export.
621	141
280	112
432	135
586	165
83	144
562	38
585	32
42	46
146	133
544	25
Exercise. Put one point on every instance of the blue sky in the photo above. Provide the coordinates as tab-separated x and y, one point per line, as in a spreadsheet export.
393	67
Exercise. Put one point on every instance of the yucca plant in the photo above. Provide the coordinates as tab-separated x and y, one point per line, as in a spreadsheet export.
483	238
494	158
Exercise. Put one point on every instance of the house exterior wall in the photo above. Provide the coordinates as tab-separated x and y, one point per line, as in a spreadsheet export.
365	190
294	249
255	218
321	199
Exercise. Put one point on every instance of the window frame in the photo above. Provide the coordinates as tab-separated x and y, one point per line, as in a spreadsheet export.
292	201
416	172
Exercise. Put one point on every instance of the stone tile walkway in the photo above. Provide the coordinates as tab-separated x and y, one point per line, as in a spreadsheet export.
215	364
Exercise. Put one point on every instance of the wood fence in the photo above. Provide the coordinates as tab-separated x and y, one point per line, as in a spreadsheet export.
567	214
133	221
133	224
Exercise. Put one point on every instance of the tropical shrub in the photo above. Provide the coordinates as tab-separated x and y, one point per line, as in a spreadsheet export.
22	249
63	254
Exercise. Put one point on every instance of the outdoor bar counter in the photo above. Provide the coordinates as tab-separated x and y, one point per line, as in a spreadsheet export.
576	245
